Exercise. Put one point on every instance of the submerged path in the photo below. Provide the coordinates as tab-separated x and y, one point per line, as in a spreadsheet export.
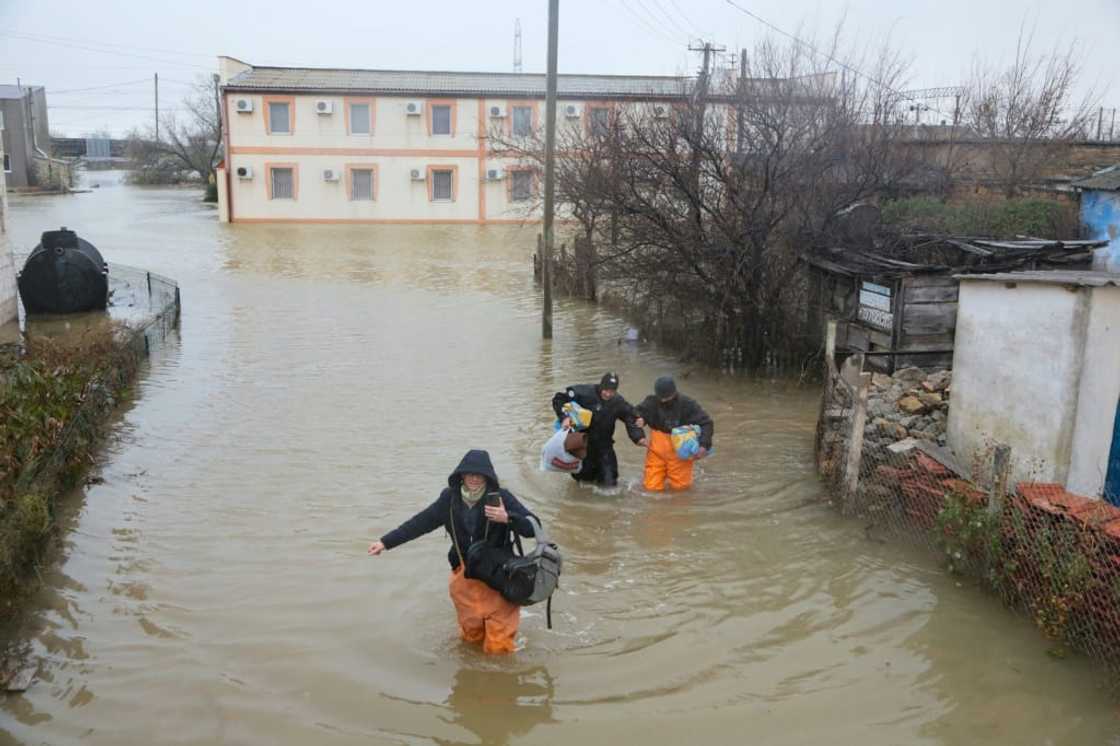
215	587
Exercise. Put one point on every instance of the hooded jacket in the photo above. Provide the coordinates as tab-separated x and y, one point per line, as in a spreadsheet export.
470	523
604	413
680	411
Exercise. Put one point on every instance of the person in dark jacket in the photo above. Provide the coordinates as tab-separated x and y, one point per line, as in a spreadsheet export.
607	407
463	509
663	411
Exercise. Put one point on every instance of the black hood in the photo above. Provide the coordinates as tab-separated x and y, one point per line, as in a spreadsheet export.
475	462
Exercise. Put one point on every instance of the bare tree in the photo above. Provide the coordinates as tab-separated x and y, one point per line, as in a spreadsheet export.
1029	112
702	229
189	143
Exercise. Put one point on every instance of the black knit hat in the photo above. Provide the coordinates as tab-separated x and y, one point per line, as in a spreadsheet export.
609	381
664	387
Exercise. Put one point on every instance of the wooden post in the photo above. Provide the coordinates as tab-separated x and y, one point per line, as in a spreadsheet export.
1001	470
826	396
855	441
549	166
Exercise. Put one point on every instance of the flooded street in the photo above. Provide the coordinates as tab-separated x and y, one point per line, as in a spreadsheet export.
216	589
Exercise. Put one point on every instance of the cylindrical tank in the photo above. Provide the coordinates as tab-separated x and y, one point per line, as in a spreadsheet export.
64	274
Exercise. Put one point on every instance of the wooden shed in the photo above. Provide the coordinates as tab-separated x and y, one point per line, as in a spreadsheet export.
900	309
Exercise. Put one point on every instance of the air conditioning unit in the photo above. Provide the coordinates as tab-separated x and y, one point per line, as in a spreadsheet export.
243	105
495	174
323	106
497	112
572	111
414	108
330	174
418	175
245	172
661	112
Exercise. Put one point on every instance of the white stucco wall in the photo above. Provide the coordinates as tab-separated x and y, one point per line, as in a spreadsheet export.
1098	394
397	144
1036	367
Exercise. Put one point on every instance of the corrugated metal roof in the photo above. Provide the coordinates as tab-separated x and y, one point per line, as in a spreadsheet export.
1055	277
405	82
1107	180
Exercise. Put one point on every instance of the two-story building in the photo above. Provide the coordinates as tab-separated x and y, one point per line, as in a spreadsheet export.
393	146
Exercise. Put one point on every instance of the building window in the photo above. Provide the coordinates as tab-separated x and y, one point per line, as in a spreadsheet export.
441	119
600	120
520	186
360	121
361	185
522	121
283	183
279	118
442	185
7	163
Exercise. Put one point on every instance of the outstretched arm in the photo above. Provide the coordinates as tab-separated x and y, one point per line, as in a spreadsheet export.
426	521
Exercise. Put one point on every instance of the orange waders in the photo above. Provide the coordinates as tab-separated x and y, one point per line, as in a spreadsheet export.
484	616
663	463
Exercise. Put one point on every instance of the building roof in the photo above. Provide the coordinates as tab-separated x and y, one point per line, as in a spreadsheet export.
419	82
1106	180
1055	277
9	92
949	255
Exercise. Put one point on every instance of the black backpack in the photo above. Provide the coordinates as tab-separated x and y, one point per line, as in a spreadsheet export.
522	579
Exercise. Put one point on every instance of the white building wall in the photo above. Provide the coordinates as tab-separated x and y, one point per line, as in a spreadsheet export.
1036	367
397	144
1098	394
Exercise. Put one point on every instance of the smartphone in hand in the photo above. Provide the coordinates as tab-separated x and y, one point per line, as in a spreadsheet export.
493	498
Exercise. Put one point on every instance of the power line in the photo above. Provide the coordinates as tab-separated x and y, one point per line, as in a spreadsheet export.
158	50
83	107
87	48
641	19
676	24
97	87
687	20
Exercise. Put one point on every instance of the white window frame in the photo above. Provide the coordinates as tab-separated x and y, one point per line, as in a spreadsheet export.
513	177
513	121
450	185
272	171
287	118
354	186
368	118
434	121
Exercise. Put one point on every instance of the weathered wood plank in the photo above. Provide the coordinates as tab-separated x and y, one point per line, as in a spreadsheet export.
932	294
930	281
918	342
935	318
928	362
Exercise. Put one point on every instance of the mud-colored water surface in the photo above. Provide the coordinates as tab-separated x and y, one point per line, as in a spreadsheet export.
215	587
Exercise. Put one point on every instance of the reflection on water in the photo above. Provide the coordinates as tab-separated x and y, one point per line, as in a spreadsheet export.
325	379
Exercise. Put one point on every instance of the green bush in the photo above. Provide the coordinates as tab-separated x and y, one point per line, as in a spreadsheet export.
999	218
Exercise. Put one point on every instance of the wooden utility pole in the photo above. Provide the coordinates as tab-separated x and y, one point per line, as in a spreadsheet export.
549	167
742	94
697	135
157	105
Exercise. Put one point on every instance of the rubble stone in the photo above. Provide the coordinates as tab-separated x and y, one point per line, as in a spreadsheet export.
911	405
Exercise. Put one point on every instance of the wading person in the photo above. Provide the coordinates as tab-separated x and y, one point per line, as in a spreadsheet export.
473	507
663	411
607	407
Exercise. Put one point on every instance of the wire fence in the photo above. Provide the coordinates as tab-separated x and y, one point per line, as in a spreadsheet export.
147	307
1050	554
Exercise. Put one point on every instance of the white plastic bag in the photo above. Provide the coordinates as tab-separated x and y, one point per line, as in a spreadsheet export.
555	458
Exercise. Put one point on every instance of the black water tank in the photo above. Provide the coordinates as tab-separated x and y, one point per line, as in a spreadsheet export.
64	274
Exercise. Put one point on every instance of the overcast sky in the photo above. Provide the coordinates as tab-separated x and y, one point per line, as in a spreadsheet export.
116	46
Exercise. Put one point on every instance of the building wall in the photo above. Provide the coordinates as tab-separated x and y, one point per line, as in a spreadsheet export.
16	142
397	144
1100	213
1032	369
8	294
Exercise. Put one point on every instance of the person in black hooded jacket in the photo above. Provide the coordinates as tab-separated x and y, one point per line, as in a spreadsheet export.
463	509
607	407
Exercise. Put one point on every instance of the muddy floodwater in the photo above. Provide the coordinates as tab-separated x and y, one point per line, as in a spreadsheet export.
215	587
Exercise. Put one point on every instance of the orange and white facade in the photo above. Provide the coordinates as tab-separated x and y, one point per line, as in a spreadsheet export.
372	146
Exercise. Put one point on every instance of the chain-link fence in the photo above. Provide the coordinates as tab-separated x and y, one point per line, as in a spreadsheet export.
1048	553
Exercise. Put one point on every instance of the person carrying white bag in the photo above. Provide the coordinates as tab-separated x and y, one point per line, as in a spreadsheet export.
564	451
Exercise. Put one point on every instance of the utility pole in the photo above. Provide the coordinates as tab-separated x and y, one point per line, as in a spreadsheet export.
742	94
1112	127
698	124
549	166
157	105
1100	122
517	45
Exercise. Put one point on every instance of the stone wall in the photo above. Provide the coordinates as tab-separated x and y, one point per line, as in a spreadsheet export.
910	404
